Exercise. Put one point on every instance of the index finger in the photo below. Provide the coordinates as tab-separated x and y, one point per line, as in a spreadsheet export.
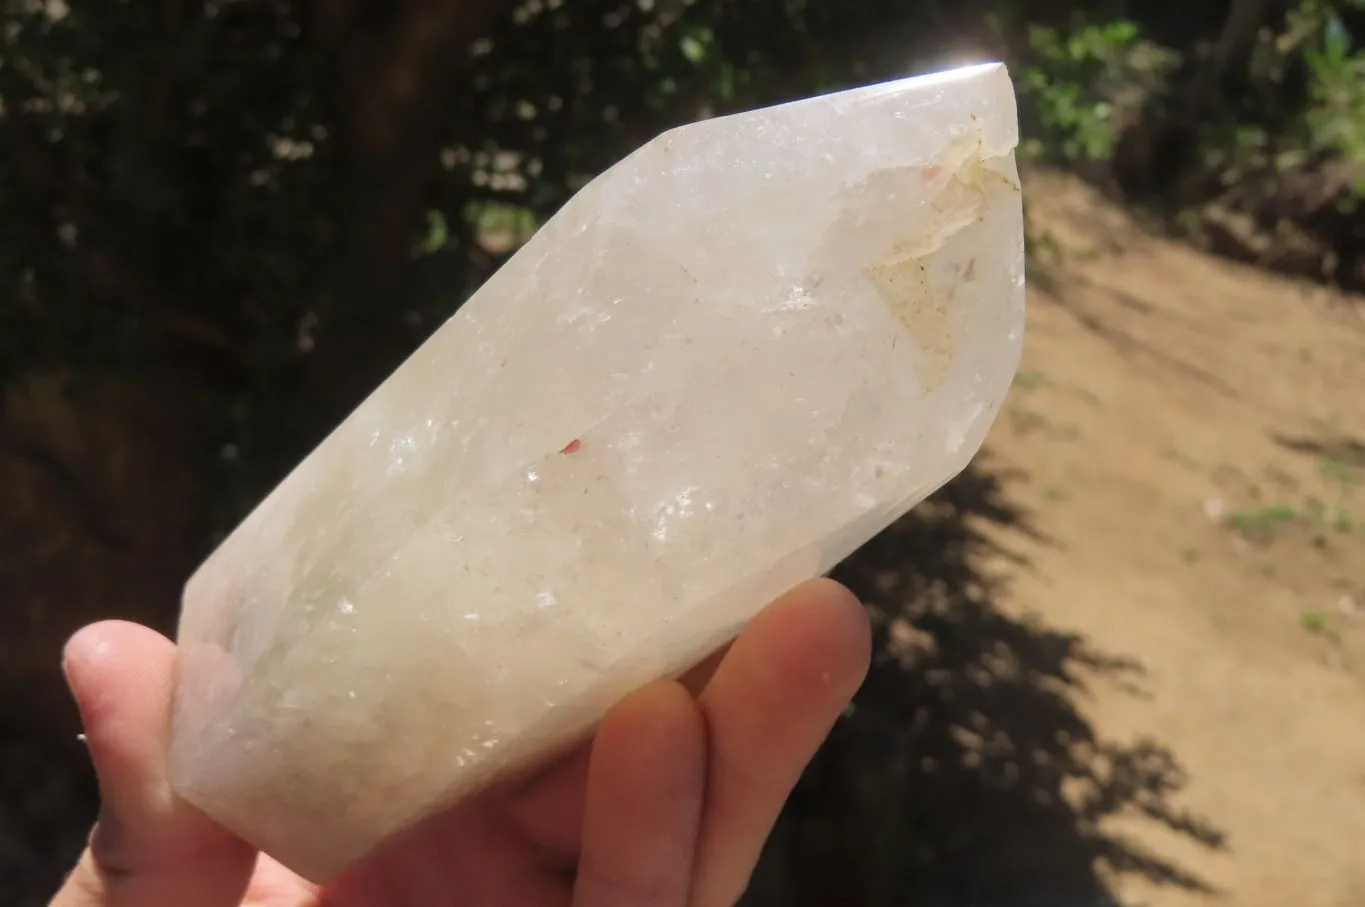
769	705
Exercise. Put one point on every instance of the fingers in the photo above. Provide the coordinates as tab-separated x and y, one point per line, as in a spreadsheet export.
769	700
149	848
768	707
644	800
549	809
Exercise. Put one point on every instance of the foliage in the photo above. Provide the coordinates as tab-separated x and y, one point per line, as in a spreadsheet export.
1299	101
252	205
1335	114
1304	100
272	201
1070	85
1258	110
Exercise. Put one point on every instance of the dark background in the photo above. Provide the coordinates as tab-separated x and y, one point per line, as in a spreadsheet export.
222	222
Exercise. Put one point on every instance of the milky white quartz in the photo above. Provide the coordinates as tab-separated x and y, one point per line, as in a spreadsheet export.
724	365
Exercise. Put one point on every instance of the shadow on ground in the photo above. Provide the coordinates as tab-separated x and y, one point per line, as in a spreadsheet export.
964	775
1334	452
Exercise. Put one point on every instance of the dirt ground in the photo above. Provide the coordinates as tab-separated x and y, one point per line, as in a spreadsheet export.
1187	437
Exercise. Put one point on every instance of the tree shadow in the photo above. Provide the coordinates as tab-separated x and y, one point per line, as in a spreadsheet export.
964	774
1130	346
1334	452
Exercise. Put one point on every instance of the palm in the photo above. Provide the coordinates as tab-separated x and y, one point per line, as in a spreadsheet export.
668	805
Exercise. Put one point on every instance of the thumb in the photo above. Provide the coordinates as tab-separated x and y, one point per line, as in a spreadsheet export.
149	848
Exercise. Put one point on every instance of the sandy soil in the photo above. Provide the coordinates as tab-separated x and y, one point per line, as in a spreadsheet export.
1187	439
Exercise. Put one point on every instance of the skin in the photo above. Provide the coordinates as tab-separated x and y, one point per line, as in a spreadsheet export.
668	806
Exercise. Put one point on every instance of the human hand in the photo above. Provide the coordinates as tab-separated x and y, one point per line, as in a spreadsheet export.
668	806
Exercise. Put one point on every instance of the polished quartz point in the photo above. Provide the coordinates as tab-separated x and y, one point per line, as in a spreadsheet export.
725	364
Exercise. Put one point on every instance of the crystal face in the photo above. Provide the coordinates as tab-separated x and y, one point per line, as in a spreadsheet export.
724	365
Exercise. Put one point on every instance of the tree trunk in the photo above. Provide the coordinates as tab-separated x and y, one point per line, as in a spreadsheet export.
1158	154
395	64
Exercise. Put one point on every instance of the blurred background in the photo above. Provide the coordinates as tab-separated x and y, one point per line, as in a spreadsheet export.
1120	659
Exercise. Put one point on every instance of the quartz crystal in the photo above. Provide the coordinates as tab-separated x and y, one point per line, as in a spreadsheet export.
725	364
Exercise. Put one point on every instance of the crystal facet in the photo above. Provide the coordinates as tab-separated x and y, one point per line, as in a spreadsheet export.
724	365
